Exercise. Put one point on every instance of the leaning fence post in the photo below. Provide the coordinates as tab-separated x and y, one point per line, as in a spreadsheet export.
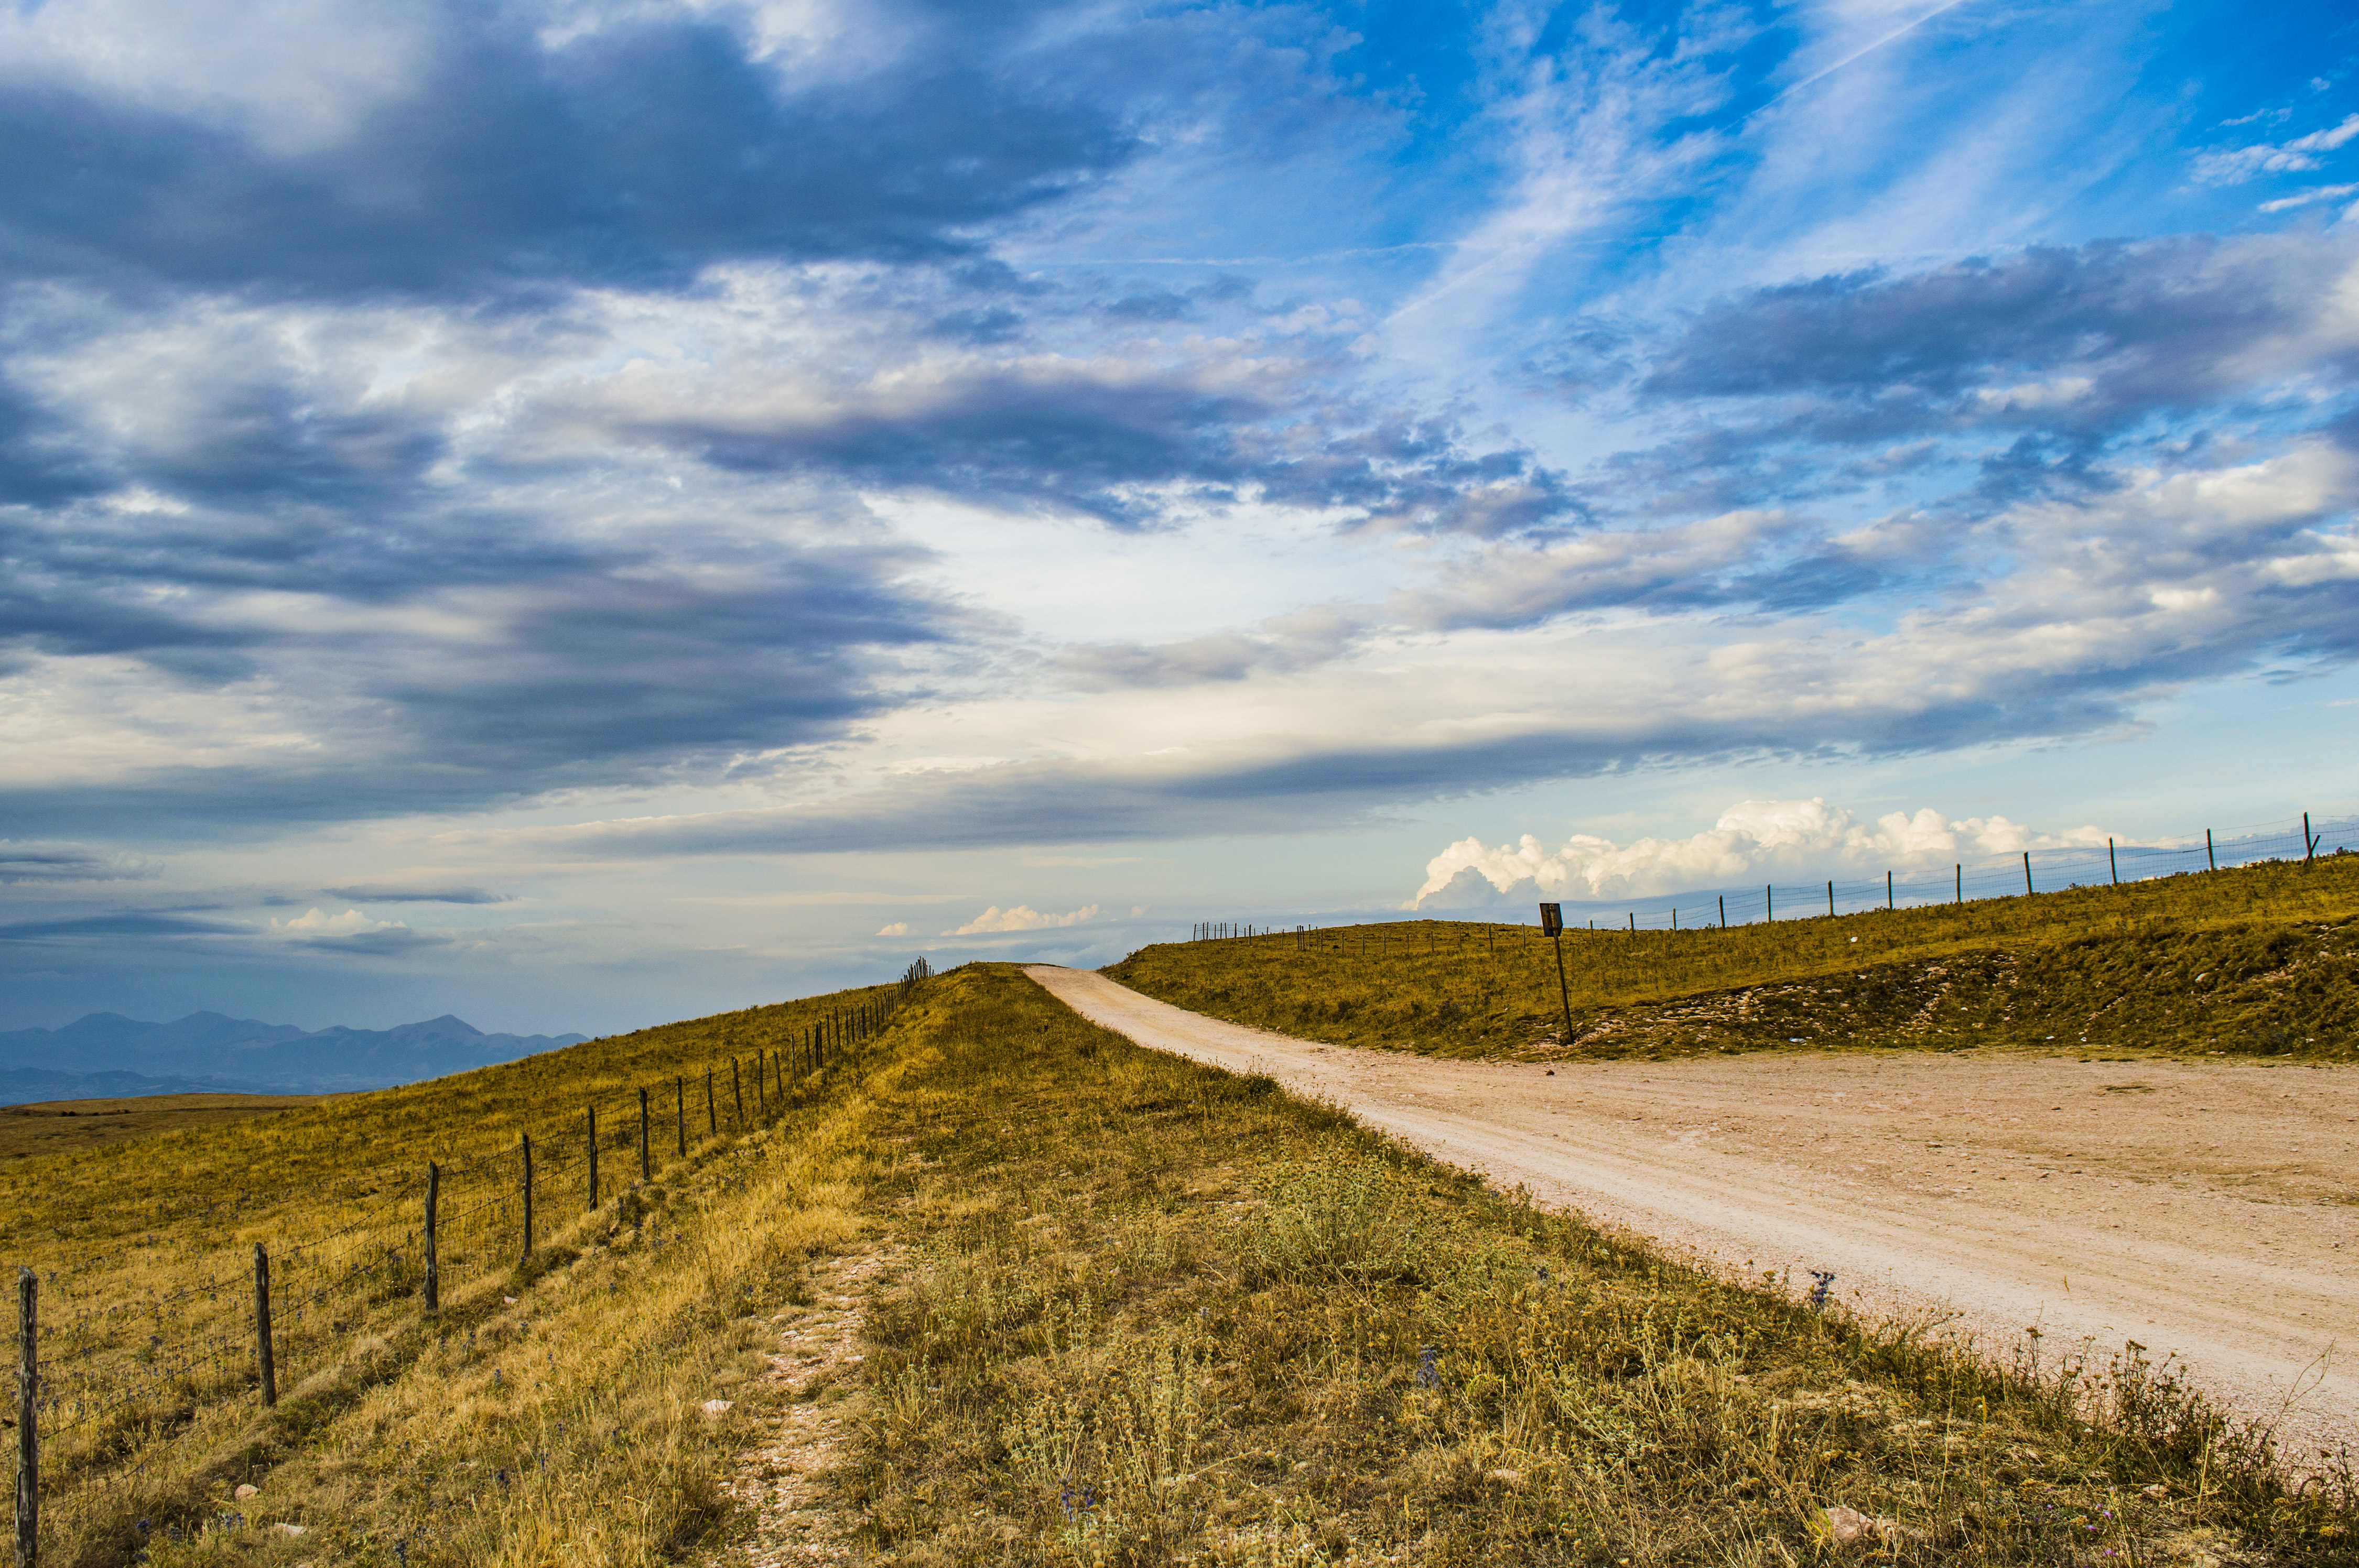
2208	858
593	1155
2111	865
646	1171
262	1327
28	1436
2026	872
433	1258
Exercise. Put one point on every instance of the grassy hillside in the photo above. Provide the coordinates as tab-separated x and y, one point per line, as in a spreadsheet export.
1142	1312
74	1125
394	1427
1157	1313
2260	959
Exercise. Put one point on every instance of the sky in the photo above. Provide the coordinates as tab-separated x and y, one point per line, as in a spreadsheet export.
581	514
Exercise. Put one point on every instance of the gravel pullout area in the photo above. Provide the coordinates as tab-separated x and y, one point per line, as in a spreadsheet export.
2204	1210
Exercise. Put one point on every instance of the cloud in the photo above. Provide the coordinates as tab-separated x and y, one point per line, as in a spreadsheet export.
394	892
1021	917
2304	197
2073	338
509	157
898	928
1124	438
353	931
2234	165
1751	837
29	862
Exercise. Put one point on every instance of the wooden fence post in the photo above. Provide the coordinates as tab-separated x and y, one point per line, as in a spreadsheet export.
593	1113
262	1328
2210	858
1961	869
1724	911
28	1405
1889	901
2027	872
2112	864
526	1256
433	1255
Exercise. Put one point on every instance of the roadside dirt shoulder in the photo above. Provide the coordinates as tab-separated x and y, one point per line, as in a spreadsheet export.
2205	1211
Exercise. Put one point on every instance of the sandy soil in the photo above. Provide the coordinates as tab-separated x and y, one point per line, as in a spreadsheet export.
2202	1210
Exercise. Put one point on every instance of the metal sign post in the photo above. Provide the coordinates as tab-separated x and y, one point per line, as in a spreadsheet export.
1552	928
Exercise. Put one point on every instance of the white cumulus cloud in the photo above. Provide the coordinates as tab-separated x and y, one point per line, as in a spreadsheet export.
898	928
316	924
1751	838
1021	917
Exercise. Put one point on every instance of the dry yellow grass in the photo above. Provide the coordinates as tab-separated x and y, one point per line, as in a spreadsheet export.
78	1126
2258	959
1157	1313
143	1251
1146	1312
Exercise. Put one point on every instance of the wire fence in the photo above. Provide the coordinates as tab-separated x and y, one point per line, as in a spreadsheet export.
2047	870
198	1308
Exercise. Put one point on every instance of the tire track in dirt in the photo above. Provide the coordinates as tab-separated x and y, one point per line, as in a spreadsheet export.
2207	1211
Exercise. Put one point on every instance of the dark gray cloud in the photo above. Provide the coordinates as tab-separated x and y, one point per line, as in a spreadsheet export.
2165	324
1115	442
634	155
391	941
381	893
573	663
26	862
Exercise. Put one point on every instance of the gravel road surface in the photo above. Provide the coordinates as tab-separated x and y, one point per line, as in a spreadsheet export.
2209	1211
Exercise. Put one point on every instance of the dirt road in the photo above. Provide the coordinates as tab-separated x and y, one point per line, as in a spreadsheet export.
2206	1211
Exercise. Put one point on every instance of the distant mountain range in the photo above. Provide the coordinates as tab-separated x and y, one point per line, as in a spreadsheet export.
107	1055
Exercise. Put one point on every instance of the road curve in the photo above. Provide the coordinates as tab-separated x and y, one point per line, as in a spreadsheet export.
2209	1211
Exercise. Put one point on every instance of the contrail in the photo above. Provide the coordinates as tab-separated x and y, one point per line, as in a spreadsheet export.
1871	49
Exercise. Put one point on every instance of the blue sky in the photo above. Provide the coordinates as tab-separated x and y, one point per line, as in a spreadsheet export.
583	513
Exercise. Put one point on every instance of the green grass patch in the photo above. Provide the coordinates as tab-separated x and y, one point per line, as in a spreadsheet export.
2259	960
